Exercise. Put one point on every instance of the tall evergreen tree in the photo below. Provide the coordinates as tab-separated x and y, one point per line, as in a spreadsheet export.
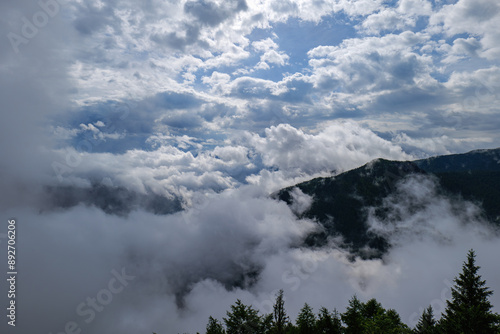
392	323
426	323
306	320
242	319
352	317
328	323
469	311
214	326
266	324
280	319
371	309
337	323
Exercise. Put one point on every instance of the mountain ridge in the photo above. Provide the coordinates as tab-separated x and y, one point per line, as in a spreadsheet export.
341	203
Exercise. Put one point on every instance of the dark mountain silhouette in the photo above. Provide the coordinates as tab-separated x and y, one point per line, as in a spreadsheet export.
110	199
340	203
475	176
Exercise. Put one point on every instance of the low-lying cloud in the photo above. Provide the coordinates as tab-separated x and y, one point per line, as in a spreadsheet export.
236	244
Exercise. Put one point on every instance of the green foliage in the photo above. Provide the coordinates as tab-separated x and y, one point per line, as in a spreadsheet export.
214	326
353	317
469	310
426	323
371	318
385	322
328	323
306	320
266	325
242	319
280	319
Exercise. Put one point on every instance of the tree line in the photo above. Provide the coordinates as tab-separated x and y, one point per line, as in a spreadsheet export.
469	311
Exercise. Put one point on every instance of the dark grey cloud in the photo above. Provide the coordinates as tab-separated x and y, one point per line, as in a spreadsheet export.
205	13
128	124
34	87
175	100
178	41
406	100
485	10
110	199
379	73
92	19
212	14
182	120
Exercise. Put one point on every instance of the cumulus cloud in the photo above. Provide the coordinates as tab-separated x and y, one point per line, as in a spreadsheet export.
370	64
386	20
180	166
403	16
271	54
471	17
338	147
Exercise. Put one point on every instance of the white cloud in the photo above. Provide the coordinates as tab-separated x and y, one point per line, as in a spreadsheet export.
226	240
217	81
415	7
431	146
371	64
264	45
387	20
181	165
338	147
354	7
274	57
193	259
477	90
402	17
271	55
300	201
476	18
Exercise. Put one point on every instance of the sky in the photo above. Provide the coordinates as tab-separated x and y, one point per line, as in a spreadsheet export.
147	137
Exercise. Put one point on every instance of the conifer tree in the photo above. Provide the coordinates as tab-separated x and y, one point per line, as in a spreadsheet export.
242	319
306	320
328	323
214	326
426	323
469	310
280	319
337	323
352	317
266	324
371	309
393	323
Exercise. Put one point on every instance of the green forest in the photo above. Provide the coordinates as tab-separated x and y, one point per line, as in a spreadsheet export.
469	311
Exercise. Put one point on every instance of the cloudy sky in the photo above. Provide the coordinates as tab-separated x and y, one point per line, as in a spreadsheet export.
118	114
